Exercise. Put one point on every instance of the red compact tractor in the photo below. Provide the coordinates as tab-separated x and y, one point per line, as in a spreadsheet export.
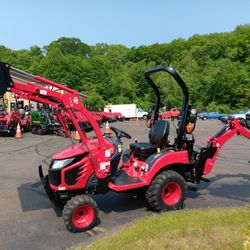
98	165
24	120
8	121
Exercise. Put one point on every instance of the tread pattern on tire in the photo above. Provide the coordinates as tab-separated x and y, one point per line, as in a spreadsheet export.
153	194
69	209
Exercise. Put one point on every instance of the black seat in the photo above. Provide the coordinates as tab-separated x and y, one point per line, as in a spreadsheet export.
144	148
158	137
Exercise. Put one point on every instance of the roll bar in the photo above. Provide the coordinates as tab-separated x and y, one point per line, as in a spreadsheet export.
183	86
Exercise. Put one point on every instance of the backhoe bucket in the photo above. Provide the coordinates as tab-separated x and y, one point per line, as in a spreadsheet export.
5	79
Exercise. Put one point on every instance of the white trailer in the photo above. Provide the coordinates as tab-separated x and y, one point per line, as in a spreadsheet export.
128	110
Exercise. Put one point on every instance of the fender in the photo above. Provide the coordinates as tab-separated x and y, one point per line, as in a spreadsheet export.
157	162
153	165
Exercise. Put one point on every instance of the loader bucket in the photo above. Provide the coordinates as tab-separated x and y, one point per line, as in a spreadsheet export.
5	79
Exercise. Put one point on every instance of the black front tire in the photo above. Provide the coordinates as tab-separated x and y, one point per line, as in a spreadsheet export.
34	130
80	213
167	191
41	131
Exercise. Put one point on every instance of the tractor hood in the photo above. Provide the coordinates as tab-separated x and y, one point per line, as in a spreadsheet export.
4	116
9	116
75	150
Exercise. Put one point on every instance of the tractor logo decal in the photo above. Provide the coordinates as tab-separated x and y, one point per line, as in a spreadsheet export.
75	100
43	92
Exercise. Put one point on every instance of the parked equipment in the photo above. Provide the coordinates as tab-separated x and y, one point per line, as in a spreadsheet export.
8	121
24	120
210	115
239	115
158	168
42	122
172	113
127	110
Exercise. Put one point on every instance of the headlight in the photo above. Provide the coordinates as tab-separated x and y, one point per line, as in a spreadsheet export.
59	164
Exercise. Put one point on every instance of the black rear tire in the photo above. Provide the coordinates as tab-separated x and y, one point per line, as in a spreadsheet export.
167	191
80	213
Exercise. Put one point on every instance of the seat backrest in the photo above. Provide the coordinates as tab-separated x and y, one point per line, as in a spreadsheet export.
158	134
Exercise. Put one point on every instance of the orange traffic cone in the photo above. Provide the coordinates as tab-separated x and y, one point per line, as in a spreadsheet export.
77	136
18	131
107	128
137	122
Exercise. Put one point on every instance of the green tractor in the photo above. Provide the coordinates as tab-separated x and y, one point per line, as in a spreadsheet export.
43	122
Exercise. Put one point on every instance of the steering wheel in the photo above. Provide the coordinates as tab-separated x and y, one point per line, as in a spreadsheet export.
120	133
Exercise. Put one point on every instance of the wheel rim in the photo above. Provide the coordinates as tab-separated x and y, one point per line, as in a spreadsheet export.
83	216
171	193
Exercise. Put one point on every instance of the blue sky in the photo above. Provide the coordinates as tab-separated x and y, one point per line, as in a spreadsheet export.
129	22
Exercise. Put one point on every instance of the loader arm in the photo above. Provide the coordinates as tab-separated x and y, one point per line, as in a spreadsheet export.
208	155
59	97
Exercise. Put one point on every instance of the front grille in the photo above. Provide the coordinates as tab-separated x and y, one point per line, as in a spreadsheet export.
2	123
55	177
72	175
4	128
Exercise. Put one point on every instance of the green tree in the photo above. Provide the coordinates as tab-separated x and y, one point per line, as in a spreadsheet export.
216	68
